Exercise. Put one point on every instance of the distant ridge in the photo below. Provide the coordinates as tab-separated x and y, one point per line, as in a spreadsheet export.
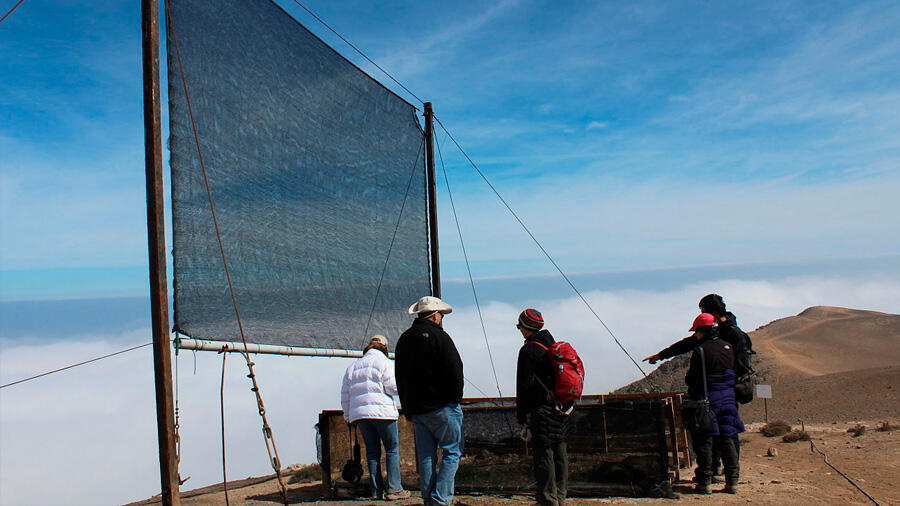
825	364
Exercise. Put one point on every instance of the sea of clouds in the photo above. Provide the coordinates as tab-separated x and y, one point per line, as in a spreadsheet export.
88	435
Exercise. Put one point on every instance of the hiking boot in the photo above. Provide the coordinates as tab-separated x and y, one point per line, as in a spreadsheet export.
396	496
702	488
730	488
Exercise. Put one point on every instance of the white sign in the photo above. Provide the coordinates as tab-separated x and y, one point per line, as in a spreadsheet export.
764	391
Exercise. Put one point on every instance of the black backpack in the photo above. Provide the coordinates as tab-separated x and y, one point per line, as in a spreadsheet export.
743	368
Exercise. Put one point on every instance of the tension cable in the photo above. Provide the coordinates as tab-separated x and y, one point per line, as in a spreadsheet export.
385	72
74	365
813	447
20	3
533	238
393	238
468	267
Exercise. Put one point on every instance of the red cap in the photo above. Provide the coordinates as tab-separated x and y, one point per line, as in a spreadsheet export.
703	319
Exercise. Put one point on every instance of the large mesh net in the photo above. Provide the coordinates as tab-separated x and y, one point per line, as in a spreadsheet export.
310	162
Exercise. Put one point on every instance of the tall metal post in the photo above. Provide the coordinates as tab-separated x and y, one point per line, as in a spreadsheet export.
156	242
432	201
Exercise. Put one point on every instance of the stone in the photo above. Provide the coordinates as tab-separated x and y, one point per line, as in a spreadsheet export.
772	452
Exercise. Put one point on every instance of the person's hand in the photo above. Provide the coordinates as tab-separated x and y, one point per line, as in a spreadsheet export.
652	359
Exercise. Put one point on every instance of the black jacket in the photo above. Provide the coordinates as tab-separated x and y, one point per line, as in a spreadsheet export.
685	345
428	368
740	343
719	357
533	362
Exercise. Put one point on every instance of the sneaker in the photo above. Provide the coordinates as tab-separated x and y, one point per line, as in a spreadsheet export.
702	488
395	496
730	488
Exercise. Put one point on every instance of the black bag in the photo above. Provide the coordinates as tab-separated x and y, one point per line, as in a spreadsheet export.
743	389
353	471
696	414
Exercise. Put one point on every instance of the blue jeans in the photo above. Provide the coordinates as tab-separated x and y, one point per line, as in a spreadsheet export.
374	432
439	428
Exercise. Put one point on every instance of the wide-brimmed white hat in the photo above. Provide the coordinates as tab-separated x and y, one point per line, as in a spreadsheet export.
429	304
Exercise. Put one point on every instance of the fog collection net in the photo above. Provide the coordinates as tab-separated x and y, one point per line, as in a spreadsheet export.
310	162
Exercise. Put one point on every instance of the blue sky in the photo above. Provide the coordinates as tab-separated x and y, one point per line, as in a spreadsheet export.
620	132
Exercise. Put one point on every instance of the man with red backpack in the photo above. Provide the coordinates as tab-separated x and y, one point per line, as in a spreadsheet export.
549	378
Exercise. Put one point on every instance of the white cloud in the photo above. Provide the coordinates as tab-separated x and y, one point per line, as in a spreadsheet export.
96	423
597	125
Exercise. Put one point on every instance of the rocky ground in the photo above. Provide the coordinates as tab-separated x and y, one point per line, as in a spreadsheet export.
794	475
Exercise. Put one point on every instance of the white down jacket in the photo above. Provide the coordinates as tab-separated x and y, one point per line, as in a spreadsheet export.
369	388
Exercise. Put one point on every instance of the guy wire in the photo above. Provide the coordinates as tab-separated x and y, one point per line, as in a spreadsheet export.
533	238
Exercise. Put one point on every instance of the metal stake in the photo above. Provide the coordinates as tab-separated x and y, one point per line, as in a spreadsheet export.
432	200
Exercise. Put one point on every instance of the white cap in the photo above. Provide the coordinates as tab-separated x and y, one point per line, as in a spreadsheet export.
379	339
429	304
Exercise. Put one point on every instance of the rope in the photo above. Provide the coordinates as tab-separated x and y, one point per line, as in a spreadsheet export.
813	447
222	417
271	448
533	238
468	268
14	8
385	72
393	238
178	425
476	387
75	365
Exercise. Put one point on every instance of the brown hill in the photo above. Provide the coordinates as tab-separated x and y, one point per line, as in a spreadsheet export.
825	364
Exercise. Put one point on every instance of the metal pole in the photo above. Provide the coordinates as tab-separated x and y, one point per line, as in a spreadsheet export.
766	405
230	346
432	201
156	244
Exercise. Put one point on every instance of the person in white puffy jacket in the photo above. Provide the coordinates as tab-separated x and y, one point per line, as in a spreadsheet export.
367	397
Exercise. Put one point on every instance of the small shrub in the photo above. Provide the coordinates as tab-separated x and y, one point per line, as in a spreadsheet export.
857	430
885	427
773	429
306	474
796	435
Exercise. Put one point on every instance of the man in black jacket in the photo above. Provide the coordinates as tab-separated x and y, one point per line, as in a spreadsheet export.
536	409
728	330
429	375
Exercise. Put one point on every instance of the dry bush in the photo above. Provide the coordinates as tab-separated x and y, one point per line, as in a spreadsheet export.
773	429
306	474
796	435
857	430
885	427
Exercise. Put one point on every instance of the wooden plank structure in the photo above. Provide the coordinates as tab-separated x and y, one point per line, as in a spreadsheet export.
619	445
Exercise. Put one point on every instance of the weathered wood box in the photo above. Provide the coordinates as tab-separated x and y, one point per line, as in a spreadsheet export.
620	445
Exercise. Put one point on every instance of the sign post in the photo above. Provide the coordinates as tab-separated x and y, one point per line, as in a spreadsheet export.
764	392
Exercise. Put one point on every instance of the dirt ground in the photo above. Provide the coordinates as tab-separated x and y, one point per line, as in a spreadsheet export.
795	475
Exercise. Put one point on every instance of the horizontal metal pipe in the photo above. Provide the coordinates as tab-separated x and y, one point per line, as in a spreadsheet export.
218	346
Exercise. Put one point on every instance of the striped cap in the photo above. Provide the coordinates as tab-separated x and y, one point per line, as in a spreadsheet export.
531	319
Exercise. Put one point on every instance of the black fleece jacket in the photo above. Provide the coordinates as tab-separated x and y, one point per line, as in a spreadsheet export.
740	343
533	362
428	368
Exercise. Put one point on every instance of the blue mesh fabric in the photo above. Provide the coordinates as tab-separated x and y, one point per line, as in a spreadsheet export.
309	161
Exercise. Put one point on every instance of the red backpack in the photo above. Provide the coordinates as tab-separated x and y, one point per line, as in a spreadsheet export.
569	371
